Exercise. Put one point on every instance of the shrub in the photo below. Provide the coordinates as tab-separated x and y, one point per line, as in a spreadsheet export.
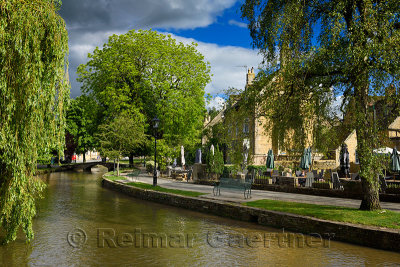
281	168
250	168
149	166
228	170
215	163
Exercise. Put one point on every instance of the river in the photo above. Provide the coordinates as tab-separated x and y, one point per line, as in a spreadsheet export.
80	223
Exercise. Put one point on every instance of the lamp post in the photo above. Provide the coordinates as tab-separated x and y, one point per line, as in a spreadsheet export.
155	121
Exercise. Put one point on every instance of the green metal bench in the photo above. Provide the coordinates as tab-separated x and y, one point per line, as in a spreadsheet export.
134	174
235	184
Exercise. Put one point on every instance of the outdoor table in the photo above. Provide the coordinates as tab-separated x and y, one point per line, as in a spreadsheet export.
301	180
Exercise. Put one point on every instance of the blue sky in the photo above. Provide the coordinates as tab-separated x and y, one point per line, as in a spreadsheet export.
216	26
228	30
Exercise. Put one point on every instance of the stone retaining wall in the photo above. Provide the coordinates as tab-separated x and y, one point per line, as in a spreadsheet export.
314	191
323	192
362	235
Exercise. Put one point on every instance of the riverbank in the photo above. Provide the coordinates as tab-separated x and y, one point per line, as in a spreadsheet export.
369	236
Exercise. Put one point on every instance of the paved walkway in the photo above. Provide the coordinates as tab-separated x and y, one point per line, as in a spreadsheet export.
237	197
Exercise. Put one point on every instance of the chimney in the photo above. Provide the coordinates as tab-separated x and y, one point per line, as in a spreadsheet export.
250	77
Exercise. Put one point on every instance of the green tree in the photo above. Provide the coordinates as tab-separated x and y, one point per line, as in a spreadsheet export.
157	75
82	118
33	89
122	135
357	43
215	162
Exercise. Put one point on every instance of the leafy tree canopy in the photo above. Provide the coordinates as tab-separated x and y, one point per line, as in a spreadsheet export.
82	118
153	73
356	54
33	89
122	135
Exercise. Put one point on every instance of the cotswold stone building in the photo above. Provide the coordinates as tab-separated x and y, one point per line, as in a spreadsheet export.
253	129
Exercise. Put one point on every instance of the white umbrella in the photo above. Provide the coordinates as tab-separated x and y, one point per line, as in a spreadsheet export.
183	156
246	144
384	150
212	149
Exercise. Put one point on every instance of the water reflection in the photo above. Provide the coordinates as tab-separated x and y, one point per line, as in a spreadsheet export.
76	201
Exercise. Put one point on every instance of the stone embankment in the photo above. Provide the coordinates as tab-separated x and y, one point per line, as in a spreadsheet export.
375	237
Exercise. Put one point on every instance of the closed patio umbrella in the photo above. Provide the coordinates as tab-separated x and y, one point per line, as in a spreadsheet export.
183	156
383	150
344	160
304	160
212	149
270	160
395	161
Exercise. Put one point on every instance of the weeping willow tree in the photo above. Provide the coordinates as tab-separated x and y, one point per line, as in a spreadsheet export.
33	90
351	46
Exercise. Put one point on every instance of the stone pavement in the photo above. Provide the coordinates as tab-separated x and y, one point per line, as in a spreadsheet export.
237	196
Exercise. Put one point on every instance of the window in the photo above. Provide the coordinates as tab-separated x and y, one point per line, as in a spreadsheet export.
246	126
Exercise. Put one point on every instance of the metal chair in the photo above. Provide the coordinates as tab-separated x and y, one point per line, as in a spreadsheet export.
383	183
321	175
189	175
336	181
315	172
355	176
309	179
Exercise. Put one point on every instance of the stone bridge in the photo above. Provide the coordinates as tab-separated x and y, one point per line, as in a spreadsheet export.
88	165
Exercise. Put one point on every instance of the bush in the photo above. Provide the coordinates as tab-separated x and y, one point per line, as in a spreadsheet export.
149	166
228	170
250	168
281	168
215	163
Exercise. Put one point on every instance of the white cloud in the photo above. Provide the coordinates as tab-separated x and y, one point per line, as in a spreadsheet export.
227	62
217	103
90	22
237	23
97	15
335	106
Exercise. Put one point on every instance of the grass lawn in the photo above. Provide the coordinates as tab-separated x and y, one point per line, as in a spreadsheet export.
114	178
383	218
166	190
135	161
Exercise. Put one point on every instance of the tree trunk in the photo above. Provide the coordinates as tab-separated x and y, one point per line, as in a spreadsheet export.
118	167
84	157
370	200
131	160
368	173
366	138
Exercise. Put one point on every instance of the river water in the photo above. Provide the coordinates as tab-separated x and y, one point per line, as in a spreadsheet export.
79	223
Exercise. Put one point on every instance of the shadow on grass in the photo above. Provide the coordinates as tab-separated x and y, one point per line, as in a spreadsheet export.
382	218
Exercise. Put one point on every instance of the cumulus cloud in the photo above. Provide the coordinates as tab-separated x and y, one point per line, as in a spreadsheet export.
335	106
217	103
237	23
104	15
229	64
91	22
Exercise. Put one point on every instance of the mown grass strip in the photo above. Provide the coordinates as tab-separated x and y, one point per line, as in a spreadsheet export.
382	218
115	178
166	190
